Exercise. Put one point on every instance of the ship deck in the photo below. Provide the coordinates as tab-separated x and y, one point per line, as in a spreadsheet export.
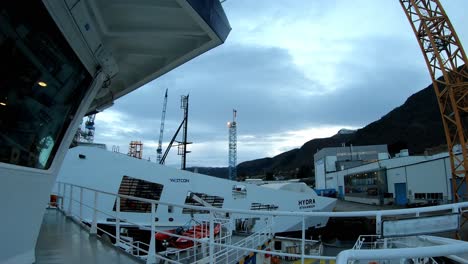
61	240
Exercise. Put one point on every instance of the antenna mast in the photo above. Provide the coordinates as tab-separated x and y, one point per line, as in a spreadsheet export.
182	145
182	150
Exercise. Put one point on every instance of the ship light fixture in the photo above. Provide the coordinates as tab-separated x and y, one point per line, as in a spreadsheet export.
42	84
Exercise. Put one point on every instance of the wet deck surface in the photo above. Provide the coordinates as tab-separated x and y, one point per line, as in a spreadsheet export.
63	241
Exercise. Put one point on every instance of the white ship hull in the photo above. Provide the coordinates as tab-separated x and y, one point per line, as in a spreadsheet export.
103	170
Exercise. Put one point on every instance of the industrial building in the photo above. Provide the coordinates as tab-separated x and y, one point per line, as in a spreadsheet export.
367	174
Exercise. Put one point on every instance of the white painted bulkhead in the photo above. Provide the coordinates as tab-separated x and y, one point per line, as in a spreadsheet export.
103	170
26	193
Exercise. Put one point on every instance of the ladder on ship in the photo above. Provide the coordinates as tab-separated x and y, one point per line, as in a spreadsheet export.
231	255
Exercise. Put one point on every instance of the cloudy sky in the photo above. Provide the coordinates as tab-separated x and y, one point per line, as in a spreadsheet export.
294	70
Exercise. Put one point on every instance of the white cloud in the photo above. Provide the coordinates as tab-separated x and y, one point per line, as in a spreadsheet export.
319	37
276	143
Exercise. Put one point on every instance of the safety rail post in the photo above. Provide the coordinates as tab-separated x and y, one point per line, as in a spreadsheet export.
151	258
237	254
93	230
81	203
211	236
195	247
378	224
271	224
303	240
62	194
59	192
117	221
69	210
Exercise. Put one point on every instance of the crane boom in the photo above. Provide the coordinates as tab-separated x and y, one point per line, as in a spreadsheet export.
161	130
444	55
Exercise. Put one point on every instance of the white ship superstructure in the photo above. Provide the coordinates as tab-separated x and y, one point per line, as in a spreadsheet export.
63	59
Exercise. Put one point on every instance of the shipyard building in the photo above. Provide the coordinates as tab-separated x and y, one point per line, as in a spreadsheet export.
367	174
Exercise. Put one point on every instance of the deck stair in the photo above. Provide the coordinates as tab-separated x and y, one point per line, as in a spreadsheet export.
233	255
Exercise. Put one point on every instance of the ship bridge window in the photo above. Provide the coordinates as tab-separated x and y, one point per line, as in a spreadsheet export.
239	191
263	207
41	86
141	189
202	199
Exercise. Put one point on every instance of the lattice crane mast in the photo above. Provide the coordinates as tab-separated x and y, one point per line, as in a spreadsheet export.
444	56
233	146
161	130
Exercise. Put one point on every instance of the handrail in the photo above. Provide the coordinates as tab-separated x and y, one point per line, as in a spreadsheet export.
67	193
454	206
239	247
431	251
200	240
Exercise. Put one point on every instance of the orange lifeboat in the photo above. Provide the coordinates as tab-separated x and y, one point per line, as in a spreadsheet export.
197	231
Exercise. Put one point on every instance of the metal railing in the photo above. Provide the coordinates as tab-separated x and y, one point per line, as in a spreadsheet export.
136	248
375	242
66	194
378	242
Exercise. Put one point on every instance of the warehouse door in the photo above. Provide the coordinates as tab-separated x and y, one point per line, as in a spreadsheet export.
400	193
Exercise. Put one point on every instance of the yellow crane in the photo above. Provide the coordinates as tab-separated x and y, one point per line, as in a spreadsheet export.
444	56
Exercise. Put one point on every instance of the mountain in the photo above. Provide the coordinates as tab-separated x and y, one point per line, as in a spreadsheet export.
345	131
415	125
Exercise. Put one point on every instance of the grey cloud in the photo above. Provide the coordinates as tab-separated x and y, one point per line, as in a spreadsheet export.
265	87
255	80
271	93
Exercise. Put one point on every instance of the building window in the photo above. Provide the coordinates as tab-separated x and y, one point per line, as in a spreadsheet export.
419	196
434	196
371	184
211	200
141	189
429	196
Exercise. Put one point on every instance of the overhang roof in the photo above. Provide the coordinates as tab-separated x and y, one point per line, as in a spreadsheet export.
137	41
